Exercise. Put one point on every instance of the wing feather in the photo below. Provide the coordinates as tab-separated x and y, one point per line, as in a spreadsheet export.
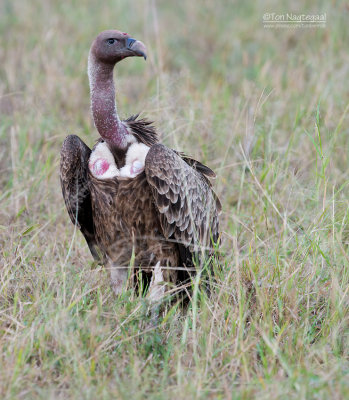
188	207
74	182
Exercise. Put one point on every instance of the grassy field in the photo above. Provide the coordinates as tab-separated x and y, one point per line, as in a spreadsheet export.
268	110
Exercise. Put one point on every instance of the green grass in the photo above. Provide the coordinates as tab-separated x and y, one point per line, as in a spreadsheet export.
269	111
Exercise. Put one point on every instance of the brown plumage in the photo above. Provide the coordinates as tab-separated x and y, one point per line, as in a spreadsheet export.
162	214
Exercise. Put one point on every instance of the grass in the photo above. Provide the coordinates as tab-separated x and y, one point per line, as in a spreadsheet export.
268	110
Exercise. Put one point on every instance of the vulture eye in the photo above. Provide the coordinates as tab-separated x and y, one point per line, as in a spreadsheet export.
111	41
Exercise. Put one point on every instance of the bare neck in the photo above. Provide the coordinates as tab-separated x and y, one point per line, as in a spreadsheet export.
103	106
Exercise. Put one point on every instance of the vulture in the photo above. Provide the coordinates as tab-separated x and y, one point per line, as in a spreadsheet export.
140	205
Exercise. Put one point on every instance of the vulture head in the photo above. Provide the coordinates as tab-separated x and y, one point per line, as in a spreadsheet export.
107	49
112	46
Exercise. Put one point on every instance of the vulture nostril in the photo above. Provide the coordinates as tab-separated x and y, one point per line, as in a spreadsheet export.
129	42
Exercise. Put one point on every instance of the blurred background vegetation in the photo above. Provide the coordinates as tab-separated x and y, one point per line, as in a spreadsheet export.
267	109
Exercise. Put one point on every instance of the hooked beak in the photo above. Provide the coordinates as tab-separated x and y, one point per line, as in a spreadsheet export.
137	47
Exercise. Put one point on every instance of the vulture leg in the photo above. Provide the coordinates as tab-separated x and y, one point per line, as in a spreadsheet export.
156	293
74	182
156	287
118	277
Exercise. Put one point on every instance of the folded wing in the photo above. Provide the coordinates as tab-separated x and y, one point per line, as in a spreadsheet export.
188	207
74	182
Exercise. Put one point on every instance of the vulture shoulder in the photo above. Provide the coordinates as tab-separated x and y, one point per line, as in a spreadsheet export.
75	188
187	205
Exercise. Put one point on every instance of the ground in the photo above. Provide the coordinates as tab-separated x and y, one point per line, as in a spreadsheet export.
267	109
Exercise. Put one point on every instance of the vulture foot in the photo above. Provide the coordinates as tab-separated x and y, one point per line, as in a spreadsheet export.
118	277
